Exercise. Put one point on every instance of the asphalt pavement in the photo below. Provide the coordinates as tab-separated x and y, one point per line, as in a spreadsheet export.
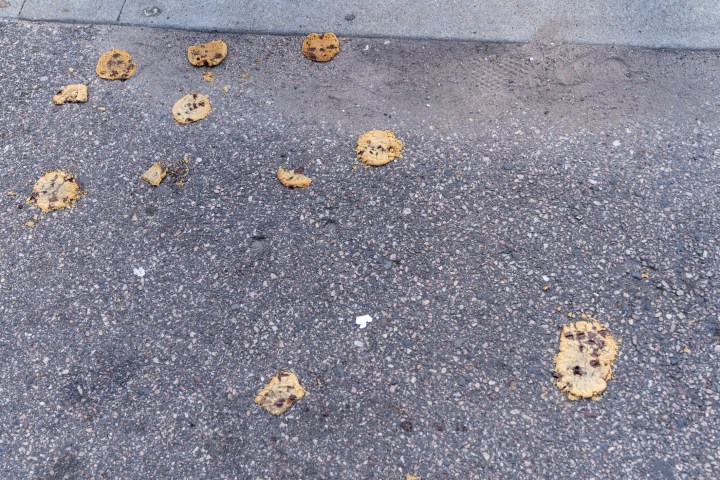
538	180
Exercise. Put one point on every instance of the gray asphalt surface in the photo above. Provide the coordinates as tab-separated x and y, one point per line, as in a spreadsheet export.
590	166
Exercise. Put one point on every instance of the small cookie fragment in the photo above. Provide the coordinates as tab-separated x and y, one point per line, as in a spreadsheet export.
320	47
209	76
71	94
191	108
585	361
412	477
155	174
293	178
280	393
115	65
207	54
55	190
378	147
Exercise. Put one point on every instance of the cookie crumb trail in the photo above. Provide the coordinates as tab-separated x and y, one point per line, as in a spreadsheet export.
191	108
378	147
115	65
280	393
155	174
584	363
55	190
207	54
293	178
71	94
320	47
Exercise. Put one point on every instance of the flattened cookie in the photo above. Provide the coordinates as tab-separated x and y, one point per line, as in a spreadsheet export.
293	178
55	190
378	147
280	393
155	174
191	108
320	47
585	361
71	94
207	54
115	65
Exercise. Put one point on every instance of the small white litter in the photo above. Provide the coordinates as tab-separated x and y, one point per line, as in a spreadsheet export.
363	320
140	272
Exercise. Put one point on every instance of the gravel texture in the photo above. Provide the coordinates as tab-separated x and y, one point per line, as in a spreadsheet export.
136	328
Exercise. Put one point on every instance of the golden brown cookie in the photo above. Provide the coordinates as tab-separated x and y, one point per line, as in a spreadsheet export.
71	94
115	65
155	174
585	361
378	147
412	477
280	393
293	178
55	190
191	108
207	54
320	47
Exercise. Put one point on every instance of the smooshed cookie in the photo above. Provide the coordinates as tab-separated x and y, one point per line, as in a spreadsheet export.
378	147
293	178
320	47
280	393
115	65
191	108
71	94
207	54
585	361
55	190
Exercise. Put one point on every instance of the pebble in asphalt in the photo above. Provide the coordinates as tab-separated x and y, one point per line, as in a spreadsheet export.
107	374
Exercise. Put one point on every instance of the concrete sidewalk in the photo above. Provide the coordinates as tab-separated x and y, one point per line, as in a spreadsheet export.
675	23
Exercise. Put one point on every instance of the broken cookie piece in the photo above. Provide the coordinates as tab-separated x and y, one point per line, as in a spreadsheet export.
191	108
207	54
71	94
155	174
293	178
320	47
55	190
280	393
378	147
115	65
585	361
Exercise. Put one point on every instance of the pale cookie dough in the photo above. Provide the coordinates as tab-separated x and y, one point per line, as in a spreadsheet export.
280	393
191	108
207	54
293	178
378	147
115	65
585	361
55	190
320	47
155	174
71	94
